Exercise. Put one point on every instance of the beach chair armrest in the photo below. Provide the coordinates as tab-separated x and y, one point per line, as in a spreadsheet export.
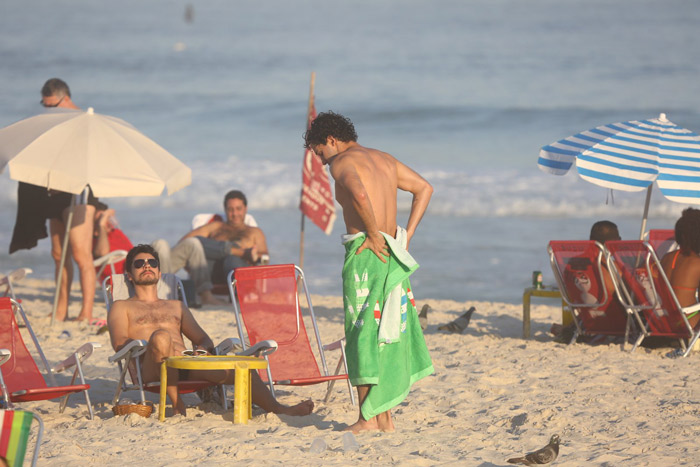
260	349
227	346
691	309
335	345
132	349
83	352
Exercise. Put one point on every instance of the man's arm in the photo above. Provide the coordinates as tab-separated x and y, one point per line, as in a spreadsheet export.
203	231
409	180
194	332
346	175
118	324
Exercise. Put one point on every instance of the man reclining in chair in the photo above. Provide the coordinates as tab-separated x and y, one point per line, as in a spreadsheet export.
163	323
224	245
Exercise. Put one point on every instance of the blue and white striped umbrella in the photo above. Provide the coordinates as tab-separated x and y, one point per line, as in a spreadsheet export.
629	156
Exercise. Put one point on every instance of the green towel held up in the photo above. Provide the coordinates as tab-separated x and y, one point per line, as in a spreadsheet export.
378	295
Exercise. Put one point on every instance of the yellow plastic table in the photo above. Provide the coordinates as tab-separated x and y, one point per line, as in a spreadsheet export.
547	292
242	402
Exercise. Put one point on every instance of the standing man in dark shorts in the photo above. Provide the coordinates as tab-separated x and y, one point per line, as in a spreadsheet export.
56	93
385	348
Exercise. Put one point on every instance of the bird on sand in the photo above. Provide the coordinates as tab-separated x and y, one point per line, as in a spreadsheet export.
542	456
459	324
423	317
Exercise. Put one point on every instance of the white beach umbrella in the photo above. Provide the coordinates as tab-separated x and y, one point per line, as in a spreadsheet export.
629	156
69	150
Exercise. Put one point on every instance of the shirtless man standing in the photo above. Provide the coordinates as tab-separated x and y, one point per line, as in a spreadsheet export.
162	323
366	186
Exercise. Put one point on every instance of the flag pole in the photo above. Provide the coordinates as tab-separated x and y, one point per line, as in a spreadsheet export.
308	118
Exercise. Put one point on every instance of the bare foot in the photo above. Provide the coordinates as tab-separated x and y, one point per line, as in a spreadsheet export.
180	409
381	422
385	422
363	425
302	408
208	298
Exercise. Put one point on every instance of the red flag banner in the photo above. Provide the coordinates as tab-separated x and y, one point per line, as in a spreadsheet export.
316	197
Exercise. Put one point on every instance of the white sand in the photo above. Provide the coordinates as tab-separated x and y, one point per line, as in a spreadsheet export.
493	396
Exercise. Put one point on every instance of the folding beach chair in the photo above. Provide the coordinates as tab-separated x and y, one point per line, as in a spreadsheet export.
577	267
266	304
170	287
662	241
646	292
22	378
15	426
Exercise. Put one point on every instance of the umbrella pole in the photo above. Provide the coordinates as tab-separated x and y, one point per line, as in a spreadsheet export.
646	212
64	251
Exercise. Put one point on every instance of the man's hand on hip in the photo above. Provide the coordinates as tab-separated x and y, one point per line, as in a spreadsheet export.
377	244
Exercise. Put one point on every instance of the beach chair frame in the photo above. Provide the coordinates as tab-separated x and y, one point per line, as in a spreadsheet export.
606	322
653	302
293	277
47	391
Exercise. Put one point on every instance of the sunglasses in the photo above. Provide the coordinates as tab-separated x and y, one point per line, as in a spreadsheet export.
52	105
139	263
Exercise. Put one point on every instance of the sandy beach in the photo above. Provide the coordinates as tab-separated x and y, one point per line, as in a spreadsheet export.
493	396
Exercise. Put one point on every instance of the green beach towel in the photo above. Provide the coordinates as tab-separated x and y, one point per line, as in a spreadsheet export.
378	295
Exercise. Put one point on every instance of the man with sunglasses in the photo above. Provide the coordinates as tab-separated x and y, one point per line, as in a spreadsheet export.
35	204
163	323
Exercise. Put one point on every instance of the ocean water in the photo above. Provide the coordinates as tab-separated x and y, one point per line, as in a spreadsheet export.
465	92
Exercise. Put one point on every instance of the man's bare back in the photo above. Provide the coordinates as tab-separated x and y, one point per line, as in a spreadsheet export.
378	173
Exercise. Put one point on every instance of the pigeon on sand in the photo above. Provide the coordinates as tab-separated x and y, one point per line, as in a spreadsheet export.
542	456
459	324
423	317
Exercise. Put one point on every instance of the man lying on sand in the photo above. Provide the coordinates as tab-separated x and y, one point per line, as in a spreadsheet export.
162	323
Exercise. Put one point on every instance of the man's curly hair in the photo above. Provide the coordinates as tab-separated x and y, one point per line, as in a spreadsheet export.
329	124
688	231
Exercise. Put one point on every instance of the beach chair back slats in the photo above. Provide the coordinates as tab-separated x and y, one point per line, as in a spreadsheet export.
578	268
647	290
269	307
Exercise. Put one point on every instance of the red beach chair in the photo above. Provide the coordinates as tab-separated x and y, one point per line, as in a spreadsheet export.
646	292
577	267
15	426
662	241
266	304
22	378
